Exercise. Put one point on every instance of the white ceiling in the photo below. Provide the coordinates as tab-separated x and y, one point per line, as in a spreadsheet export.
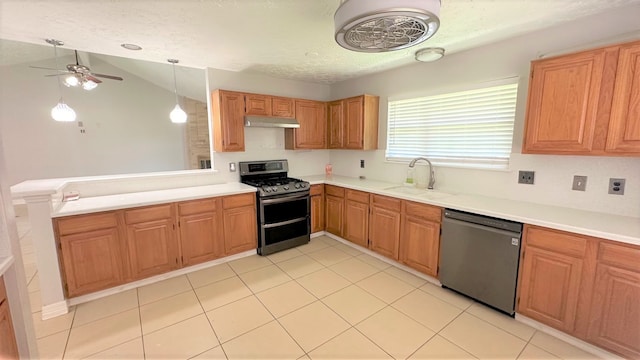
290	39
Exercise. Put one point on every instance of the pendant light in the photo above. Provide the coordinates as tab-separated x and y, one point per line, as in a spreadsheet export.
177	115
61	112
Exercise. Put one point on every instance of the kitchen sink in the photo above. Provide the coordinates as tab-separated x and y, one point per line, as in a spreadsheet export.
424	193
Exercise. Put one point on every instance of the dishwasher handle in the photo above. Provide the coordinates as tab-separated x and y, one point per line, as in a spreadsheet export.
512	234
483	220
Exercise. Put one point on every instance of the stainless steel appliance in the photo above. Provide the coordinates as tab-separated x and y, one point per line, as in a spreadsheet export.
479	258
283	203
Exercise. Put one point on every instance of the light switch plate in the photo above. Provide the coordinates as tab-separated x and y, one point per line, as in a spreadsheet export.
579	183
232	167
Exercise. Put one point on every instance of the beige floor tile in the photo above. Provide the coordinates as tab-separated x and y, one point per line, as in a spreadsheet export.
238	318
269	341
532	352
377	263
327	240
249	263
440	348
284	255
51	326
405	276
130	350
447	295
103	334
34	284
385	287
285	298
354	269
163	289
329	256
214	354
35	300
353	304
182	340
300	266
482	339
394	332
264	278
313	325
210	275
106	306
351	344
169	311
348	249
504	322
323	282
315	245
221	293
52	346
558	347
427	309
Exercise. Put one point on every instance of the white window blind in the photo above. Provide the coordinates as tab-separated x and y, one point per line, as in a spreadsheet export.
471	128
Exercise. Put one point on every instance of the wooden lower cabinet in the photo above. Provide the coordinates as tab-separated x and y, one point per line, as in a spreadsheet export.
356	218
334	209
317	208
200	225
8	345
420	234
239	223
384	229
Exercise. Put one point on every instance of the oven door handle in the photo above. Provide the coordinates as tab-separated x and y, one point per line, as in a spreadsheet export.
284	199
267	226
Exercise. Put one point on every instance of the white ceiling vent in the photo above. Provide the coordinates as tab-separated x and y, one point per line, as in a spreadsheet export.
385	25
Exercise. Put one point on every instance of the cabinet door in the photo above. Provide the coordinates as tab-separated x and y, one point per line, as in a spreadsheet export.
317	213
312	116
356	222
335	124
228	120
257	104
354	123
8	345
624	124
420	244
240	229
152	248
283	107
384	234
334	208
201	238
91	261
562	106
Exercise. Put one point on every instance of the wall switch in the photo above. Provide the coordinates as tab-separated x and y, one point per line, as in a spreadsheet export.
616	186
579	183
232	167
525	177
362	164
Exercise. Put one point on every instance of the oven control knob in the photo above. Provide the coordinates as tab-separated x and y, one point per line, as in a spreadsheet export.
286	187
302	185
297	185
266	189
274	189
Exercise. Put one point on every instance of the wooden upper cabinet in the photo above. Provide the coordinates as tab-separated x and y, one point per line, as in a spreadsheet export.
335	125
353	123
624	125
283	107
228	108
266	105
587	103
312	116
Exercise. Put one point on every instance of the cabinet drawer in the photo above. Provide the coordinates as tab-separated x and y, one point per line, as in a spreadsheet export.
386	202
424	211
83	223
558	241
316	189
627	257
358	196
234	201
148	214
334	190
197	207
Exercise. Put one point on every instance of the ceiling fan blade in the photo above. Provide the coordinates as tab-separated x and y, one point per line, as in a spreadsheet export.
40	67
112	77
93	78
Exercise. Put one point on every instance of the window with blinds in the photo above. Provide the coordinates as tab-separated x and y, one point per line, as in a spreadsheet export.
471	128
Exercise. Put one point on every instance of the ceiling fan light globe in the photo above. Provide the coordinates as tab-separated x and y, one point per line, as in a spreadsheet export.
89	85
63	113
177	115
71	81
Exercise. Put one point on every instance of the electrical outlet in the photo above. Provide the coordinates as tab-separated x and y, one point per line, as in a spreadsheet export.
579	183
616	186
362	164
525	177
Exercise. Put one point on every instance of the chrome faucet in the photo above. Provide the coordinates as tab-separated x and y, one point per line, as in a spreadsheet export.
432	175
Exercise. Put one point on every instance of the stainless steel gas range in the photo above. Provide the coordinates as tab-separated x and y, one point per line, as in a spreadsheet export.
283	205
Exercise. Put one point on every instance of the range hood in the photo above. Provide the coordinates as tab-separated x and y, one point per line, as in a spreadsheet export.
267	121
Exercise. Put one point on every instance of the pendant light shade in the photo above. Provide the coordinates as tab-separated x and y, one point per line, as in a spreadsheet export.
177	115
63	113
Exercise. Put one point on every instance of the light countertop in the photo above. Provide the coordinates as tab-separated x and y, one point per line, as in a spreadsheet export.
608	226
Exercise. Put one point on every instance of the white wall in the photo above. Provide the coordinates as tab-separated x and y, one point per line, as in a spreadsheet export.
127	126
268	143
554	174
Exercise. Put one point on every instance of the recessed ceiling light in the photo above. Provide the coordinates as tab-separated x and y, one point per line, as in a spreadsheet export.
131	46
430	54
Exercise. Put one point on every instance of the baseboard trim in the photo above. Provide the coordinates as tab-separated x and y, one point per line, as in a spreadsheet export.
56	309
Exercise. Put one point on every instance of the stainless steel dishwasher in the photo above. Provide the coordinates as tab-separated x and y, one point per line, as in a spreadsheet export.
479	258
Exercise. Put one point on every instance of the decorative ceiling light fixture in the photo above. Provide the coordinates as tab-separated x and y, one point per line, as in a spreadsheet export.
430	54
133	47
177	115
385	25
62	111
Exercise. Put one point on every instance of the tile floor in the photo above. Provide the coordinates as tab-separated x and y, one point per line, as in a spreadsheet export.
324	300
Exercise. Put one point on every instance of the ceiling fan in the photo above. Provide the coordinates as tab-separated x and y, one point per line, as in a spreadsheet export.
80	75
